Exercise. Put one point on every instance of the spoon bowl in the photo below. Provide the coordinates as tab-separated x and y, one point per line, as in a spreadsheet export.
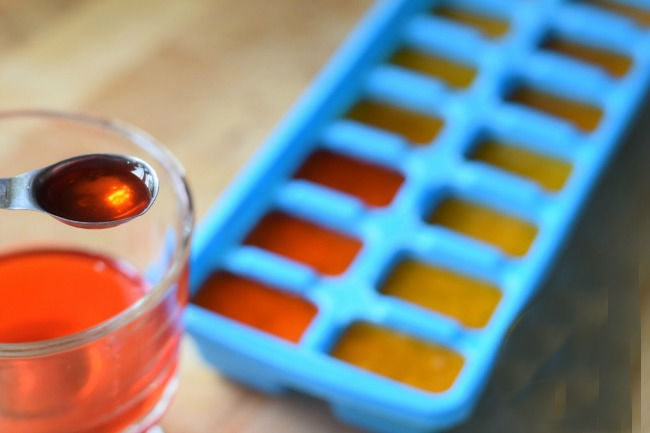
91	191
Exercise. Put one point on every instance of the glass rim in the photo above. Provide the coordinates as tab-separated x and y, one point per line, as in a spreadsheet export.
181	251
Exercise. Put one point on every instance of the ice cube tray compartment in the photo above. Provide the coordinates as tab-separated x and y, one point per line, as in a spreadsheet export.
270	309
383	251
634	10
483	20
453	72
550	172
468	300
614	63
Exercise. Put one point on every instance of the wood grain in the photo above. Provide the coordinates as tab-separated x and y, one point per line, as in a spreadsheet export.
210	79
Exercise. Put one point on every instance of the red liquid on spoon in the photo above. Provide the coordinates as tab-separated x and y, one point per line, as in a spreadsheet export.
94	189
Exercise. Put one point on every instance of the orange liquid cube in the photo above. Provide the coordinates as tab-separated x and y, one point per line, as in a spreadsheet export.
325	250
373	184
257	305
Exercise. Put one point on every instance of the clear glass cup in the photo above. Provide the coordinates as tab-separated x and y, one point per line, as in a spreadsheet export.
118	375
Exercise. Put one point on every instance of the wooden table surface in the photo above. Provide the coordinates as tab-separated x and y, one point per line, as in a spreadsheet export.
210	79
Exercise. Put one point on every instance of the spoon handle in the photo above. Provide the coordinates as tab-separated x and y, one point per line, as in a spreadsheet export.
15	192
4	193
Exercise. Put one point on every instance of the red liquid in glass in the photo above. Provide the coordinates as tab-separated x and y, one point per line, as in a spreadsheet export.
49	294
104	386
94	189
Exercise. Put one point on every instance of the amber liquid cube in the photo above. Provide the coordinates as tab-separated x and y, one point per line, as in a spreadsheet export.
399	357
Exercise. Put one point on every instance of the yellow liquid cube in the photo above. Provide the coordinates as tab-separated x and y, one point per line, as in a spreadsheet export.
614	64
467	300
453	74
490	27
512	235
638	15
583	116
549	173
418	128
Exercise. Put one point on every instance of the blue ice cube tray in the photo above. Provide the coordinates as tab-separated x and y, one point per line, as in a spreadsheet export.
432	172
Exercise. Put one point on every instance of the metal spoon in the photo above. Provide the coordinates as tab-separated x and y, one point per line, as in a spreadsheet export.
22	191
